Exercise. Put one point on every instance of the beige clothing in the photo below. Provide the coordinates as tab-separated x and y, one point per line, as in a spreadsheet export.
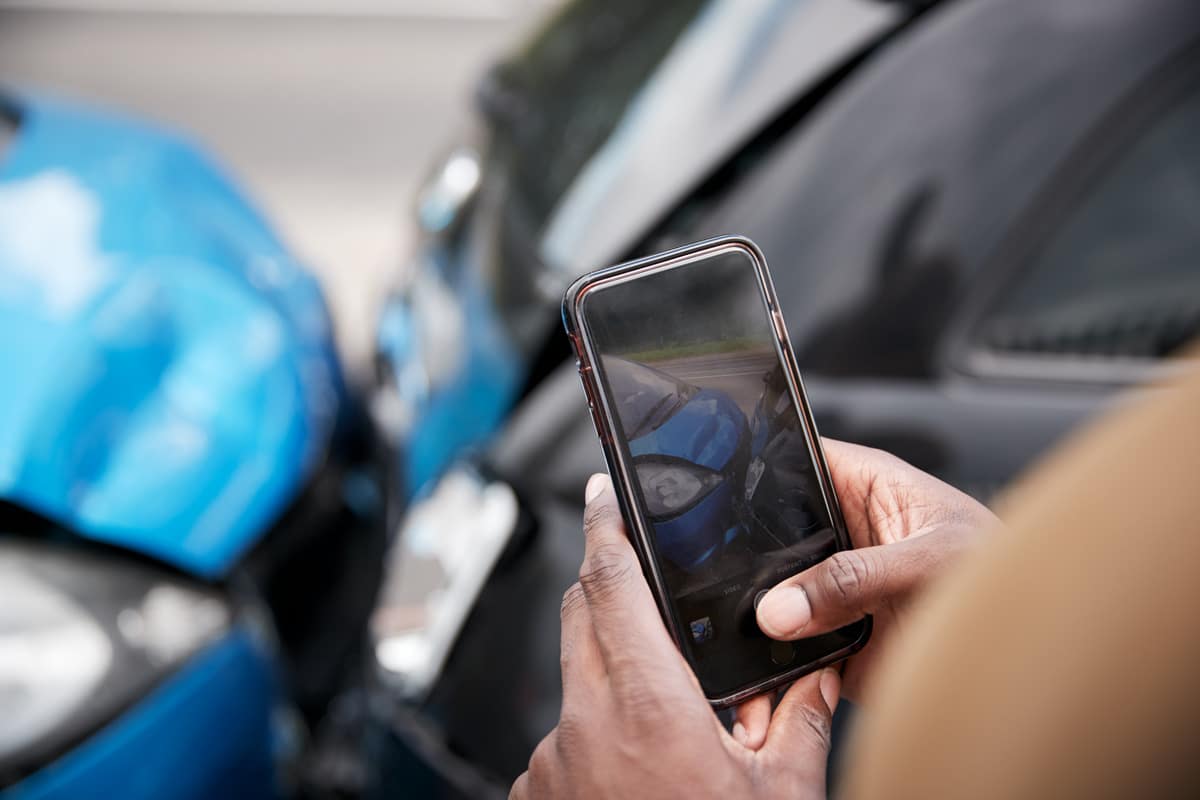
1063	659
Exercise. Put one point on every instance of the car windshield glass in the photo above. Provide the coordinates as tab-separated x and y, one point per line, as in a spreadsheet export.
645	397
601	50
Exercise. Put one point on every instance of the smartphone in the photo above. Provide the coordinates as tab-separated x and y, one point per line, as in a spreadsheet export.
712	448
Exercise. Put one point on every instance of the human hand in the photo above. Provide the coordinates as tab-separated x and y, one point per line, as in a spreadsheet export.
634	720
906	527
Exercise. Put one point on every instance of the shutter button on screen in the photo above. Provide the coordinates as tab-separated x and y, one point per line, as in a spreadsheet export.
782	653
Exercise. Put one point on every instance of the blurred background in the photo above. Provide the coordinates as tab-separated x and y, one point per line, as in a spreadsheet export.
328	112
292	445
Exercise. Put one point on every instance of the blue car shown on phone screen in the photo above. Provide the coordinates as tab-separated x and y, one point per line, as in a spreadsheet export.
690	448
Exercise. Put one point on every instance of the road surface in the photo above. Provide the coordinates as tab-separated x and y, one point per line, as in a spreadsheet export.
739	374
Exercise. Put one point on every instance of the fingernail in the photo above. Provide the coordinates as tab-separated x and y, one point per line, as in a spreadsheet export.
831	683
784	612
739	733
595	486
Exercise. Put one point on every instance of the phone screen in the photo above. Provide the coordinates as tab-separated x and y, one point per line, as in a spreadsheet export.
725	483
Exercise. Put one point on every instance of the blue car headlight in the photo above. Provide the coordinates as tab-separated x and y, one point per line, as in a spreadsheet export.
671	486
83	635
449	189
420	347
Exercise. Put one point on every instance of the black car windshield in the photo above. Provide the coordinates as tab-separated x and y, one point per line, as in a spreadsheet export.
645	397
573	82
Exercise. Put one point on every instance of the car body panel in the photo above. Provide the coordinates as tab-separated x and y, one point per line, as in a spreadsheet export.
734	67
923	221
707	430
165	745
455	389
912	180
488	367
710	431
689	540
149	318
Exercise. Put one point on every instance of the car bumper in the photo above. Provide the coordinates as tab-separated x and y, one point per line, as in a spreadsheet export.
205	732
690	539
476	728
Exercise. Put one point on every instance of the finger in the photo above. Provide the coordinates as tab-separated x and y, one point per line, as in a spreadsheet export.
799	732
582	665
862	473
625	619
853	583
857	471
545	775
753	718
854	467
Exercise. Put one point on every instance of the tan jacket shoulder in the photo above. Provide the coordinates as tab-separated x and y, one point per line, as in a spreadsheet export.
1063	660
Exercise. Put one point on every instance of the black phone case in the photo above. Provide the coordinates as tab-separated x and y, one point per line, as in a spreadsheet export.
622	481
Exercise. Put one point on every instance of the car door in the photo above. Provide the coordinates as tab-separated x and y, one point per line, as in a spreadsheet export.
960	286
1094	291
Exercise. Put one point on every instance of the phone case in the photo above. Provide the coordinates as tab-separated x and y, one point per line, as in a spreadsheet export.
604	421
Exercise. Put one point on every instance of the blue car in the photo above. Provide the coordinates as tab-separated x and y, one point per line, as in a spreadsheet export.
190	525
690	449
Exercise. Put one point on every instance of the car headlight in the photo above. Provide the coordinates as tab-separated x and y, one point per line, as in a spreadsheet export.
449	189
81	637
419	346
446	548
671	486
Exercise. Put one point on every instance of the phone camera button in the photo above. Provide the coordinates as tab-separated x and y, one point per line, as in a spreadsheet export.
782	653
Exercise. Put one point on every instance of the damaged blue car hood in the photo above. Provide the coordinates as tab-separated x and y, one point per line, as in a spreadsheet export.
167	375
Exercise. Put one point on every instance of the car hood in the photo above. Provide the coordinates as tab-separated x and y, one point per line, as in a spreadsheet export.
169	379
708	430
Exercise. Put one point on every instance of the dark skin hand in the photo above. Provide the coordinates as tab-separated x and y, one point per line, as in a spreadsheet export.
634	721
906	526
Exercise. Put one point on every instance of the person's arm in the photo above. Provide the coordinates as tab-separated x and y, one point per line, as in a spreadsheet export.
1061	659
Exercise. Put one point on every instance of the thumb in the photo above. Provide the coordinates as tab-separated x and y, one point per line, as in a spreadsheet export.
799	737
849	585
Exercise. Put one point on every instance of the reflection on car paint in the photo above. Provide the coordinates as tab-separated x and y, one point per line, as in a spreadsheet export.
149	316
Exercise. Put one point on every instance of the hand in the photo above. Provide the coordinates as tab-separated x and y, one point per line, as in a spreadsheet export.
906	527
634	720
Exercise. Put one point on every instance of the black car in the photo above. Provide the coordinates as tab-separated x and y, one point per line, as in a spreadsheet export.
982	217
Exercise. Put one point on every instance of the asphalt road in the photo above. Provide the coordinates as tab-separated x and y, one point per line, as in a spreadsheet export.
327	117
737	374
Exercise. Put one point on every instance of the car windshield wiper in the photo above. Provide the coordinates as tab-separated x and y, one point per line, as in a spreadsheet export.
657	414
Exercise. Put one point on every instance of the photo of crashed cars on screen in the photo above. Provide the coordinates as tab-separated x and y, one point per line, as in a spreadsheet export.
725	478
